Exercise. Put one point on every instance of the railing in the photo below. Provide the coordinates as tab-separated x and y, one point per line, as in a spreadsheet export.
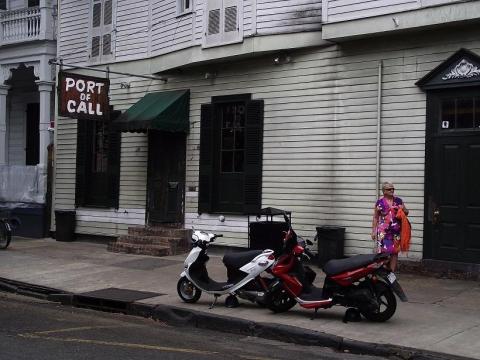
26	25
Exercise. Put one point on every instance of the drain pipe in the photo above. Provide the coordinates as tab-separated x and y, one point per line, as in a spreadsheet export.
379	127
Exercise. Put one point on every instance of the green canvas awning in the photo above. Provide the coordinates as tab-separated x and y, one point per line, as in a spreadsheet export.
166	111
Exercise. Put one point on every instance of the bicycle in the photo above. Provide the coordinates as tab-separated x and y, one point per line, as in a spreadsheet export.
7	225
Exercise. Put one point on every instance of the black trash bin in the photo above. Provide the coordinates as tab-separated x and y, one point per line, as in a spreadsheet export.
65	225
331	241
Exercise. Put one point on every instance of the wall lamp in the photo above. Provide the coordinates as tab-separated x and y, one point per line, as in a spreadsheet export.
281	59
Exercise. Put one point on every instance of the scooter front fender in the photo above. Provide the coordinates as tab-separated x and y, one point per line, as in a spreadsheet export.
390	279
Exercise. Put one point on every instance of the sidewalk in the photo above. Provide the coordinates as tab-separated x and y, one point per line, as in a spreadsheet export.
442	315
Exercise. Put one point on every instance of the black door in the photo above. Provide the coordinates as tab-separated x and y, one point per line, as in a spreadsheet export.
33	134
453	199
166	177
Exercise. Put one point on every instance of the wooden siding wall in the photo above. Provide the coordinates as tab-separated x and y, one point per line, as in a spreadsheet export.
288	16
147	28
73	23
17	124
132	184
320	135
343	10
16	128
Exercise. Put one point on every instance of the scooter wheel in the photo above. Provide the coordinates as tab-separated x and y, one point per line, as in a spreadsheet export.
187	291
280	301
231	301
386	301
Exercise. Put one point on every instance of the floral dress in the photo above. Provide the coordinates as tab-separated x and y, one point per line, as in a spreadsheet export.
388	227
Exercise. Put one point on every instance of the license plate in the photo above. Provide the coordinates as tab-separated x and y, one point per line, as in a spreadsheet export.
391	277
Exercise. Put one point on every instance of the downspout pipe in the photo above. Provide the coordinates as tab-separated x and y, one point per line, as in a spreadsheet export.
379	127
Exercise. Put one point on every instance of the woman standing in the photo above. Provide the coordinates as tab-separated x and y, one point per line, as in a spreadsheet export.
385	225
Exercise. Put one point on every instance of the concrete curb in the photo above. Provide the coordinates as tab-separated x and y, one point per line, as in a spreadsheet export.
177	316
285	333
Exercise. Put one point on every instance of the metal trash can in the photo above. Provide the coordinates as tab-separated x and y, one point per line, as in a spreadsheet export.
330	240
65	225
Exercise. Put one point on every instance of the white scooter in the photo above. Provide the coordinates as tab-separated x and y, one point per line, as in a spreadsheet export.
243	272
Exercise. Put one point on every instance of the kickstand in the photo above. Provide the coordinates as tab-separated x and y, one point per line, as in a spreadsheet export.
214	302
314	314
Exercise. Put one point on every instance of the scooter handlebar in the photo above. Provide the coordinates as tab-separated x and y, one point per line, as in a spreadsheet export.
309	253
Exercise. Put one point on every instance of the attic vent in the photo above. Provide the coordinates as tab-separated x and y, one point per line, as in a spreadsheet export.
231	19
214	22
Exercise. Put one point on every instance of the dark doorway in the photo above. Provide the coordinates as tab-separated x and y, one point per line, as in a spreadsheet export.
166	177
452	214
32	151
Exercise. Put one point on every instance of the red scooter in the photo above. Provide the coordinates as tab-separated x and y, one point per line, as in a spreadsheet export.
362	282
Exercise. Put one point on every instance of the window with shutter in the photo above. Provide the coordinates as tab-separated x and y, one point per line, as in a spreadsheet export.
33	3
3	4
101	32
223	22
184	6
231	147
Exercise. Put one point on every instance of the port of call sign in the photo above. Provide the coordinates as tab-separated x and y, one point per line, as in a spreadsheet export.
83	97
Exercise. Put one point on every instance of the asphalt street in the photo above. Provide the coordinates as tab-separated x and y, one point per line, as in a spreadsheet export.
36	329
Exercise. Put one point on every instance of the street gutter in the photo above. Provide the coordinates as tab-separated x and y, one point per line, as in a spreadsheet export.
176	316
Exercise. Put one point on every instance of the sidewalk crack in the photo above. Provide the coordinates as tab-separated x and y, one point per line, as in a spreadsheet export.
457	333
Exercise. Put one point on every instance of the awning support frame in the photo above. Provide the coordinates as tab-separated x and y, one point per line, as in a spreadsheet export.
107	70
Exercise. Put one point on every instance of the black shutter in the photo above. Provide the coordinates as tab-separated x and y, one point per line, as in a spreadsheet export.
81	169
253	156
206	160
114	148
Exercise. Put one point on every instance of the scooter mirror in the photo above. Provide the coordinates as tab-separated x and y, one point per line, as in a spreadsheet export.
309	242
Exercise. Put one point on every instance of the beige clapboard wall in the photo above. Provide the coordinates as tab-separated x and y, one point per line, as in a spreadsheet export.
319	141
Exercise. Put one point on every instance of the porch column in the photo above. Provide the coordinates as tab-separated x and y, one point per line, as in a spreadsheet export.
3	124
46	20
45	89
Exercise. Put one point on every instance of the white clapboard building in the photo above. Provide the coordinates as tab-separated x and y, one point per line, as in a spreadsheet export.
220	108
27	43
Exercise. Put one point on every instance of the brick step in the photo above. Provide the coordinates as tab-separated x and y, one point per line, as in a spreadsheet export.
158	231
149	240
153	250
154	240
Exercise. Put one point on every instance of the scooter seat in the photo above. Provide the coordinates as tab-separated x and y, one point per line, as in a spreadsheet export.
239	259
337	266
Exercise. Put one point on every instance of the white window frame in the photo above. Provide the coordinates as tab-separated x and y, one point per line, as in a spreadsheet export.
222	37
101	31
182	7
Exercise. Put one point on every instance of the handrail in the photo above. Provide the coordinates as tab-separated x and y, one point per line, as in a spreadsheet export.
21	25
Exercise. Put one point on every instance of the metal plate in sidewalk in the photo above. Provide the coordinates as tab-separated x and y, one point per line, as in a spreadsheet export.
111	299
117	294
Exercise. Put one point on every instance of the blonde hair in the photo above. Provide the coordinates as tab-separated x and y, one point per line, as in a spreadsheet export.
386	184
